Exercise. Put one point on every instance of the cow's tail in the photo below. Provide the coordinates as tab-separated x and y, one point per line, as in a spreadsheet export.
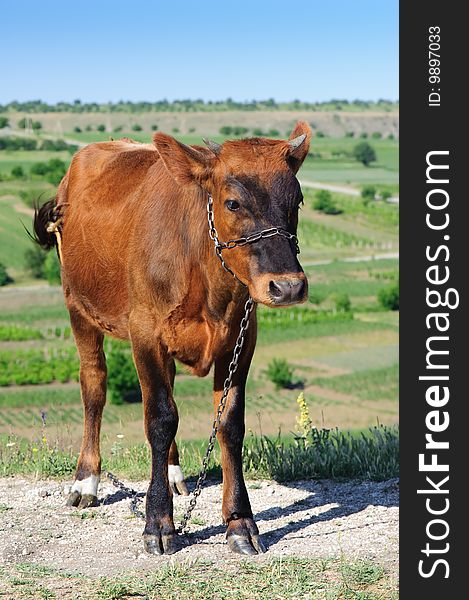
47	220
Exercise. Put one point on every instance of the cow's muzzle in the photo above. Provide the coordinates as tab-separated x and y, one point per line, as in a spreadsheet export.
287	291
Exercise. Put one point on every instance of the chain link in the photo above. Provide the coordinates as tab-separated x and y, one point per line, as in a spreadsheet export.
232	367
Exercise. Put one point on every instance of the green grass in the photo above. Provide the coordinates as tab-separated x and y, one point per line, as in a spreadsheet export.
25	158
13	238
322	453
374	384
339	168
288	578
340	327
9	333
55	313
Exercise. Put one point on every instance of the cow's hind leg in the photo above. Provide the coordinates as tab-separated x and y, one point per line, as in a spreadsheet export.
89	341
154	369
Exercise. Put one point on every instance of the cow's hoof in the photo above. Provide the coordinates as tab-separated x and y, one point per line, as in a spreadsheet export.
81	501
160	544
243	537
176	481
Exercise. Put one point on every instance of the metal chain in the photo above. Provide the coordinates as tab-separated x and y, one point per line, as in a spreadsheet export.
129	491
221	407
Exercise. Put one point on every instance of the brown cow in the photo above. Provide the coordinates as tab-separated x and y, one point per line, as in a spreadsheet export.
138	264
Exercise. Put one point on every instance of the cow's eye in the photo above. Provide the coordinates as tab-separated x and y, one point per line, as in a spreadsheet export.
232	205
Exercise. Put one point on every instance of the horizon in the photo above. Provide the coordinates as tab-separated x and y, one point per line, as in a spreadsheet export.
210	101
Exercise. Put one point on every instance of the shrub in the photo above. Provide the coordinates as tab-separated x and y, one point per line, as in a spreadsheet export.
136	127
17	172
376	135
4	277
88	128
364	153
77	129
3	122
342	302
53	170
258	132
320	134
14	143
324	203
391	136
191	129
36	125
52	269
13	333
175	129
226	130
22	123
117	129
101	127
385	194
58	146
388	296
363	135
349	134
323	453
273	133
280	373
122	380
240	130
154	127
34	258
368	193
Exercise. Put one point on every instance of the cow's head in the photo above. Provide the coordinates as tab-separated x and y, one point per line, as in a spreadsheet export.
254	187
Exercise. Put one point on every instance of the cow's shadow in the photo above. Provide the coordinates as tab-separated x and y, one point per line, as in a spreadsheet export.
341	500
345	499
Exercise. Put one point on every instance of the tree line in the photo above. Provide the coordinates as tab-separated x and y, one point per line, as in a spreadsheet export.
189	105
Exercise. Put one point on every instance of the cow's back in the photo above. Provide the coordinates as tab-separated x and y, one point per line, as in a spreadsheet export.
100	198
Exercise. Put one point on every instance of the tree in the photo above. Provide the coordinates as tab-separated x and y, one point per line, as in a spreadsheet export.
34	258
388	296
22	123
4	277
364	153
136	127
101	127
325	204
36	125
368	194
17	172
3	122
226	130
52	269
77	129
154	127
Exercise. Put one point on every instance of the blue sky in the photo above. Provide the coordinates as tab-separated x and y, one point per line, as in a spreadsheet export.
148	50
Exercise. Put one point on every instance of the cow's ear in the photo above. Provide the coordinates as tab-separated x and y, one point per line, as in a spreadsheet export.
185	164
298	142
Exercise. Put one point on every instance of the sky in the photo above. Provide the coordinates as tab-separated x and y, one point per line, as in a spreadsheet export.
104	50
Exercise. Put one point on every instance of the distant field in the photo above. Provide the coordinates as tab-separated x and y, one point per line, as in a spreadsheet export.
346	363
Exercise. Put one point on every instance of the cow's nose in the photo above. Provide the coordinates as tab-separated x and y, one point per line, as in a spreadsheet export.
287	291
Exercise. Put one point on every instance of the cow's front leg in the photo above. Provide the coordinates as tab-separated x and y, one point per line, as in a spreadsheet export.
242	533
161	421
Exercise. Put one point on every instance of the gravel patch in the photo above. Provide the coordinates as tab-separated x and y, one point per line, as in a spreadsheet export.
308	519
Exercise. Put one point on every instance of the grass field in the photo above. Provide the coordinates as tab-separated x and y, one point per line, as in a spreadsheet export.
287	578
346	363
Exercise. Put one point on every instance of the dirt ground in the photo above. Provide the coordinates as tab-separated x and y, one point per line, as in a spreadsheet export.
301	519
